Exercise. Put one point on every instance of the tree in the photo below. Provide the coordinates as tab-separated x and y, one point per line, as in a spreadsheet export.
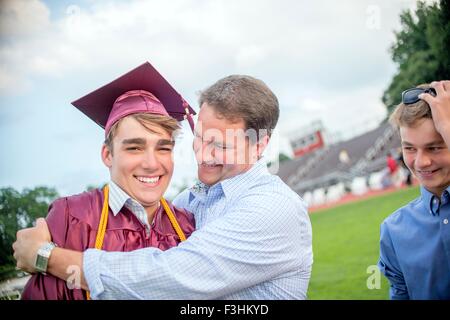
281	158
421	49
91	187
17	211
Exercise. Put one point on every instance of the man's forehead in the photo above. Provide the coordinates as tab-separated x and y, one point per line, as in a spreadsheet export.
229	134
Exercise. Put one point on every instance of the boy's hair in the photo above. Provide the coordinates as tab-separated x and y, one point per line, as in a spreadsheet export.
408	115
168	124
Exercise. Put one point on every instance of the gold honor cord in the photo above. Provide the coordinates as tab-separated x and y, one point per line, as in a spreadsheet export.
104	221
173	220
102	225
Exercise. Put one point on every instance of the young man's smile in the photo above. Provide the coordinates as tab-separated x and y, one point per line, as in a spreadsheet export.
426	155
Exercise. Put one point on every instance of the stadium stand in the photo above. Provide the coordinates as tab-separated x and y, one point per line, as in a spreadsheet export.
353	165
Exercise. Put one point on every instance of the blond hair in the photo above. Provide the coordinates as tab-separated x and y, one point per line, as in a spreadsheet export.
168	124
407	115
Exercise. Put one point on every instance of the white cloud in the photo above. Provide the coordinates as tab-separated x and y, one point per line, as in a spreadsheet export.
250	55
285	40
22	18
343	114
313	105
322	59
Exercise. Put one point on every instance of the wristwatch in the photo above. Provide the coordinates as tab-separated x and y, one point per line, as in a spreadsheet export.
43	255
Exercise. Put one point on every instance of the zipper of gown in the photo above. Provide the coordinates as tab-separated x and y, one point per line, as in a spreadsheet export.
147	232
150	231
152	226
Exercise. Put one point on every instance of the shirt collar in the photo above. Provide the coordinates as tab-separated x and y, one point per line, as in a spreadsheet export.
231	186
118	198
433	202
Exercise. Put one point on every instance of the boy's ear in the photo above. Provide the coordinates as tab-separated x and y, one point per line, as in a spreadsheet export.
106	156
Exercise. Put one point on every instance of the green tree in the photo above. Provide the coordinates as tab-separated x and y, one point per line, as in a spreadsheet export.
91	187
17	211
421	49
281	158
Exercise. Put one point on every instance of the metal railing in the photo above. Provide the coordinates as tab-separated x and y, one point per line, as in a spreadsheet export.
10	294
364	166
360	168
308	166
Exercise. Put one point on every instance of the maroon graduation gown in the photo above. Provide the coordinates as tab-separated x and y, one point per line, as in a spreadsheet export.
73	223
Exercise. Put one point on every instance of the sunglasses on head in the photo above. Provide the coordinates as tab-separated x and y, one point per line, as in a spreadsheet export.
411	96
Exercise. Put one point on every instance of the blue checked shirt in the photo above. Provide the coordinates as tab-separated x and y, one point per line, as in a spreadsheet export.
415	248
253	241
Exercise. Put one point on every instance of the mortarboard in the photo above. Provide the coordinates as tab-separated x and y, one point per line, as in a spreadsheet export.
142	89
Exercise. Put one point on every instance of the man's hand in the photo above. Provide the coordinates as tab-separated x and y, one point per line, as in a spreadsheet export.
440	108
28	243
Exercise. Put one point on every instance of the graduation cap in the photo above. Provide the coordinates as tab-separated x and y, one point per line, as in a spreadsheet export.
142	89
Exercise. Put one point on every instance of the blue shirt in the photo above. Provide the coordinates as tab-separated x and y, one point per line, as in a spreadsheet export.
253	242
415	248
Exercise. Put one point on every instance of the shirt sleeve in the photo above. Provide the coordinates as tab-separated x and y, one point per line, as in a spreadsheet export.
389	266
255	241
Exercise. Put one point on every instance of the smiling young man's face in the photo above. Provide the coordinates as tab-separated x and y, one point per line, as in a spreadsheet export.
141	162
426	155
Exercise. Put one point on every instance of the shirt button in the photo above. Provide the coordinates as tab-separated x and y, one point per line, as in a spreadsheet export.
445	221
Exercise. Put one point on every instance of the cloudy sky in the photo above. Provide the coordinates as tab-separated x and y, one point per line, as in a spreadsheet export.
325	60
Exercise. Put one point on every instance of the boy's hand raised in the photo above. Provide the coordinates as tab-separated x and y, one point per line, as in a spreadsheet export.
440	108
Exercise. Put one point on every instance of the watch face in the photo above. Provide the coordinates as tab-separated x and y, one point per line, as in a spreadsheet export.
42	256
41	263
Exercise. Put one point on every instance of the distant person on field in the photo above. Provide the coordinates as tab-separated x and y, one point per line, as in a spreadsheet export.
406	171
415	240
393	168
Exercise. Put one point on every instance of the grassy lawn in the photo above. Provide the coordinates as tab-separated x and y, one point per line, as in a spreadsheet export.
346	243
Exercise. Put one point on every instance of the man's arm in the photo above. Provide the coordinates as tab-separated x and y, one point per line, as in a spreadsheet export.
389	266
63	263
253	243
49	287
440	108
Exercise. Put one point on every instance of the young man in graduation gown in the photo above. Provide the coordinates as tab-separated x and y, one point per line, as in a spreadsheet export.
130	212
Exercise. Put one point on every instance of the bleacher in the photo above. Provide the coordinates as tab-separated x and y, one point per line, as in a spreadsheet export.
323	169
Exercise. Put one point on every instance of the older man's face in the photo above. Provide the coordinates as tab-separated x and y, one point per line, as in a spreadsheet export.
222	148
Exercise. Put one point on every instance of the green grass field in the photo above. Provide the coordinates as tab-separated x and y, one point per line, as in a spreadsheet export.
346	243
